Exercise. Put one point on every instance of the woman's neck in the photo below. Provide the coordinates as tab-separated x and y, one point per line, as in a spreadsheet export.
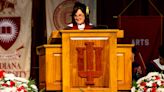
81	24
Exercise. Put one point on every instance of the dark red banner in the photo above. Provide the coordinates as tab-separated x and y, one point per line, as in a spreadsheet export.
143	31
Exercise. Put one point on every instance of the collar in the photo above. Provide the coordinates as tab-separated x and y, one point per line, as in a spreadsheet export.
81	26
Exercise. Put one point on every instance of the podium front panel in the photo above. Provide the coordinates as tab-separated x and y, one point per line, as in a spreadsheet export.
89	61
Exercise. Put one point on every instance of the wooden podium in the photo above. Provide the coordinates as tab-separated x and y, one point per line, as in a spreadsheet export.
86	61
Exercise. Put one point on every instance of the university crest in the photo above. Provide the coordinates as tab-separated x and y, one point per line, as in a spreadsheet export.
9	30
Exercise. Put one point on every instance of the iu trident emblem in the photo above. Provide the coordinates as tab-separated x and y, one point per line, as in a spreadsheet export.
92	68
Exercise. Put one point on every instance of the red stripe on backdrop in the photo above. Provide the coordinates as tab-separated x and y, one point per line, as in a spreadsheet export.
144	32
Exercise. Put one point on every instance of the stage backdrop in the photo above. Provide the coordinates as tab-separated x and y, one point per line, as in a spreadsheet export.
15	36
145	32
58	13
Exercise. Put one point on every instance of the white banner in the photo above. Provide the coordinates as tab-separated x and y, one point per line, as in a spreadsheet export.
58	13
15	36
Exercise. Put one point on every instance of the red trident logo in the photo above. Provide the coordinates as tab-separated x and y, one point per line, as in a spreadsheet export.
91	70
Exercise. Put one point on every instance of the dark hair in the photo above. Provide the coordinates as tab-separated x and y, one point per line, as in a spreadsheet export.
161	51
82	7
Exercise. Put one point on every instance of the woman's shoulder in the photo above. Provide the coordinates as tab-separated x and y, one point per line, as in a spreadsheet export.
70	25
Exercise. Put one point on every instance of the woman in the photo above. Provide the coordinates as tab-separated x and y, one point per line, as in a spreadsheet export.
80	17
80	21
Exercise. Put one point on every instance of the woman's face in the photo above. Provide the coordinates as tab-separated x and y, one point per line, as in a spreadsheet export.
79	17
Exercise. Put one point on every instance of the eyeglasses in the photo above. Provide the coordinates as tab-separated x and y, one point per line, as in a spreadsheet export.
80	15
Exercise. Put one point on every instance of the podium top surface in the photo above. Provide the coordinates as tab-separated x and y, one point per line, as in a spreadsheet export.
91	31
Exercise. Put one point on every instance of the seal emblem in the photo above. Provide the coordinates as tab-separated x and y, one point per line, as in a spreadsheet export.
9	30
62	14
